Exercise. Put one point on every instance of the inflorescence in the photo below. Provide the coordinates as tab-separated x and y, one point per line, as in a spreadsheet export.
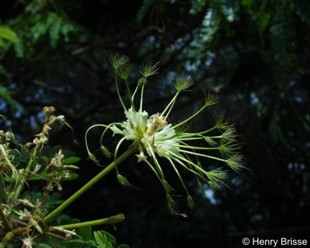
157	138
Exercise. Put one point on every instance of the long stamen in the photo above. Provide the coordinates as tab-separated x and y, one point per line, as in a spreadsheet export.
199	148
190	163
117	90
179	176
169	106
134	93
198	133
191	117
203	155
187	168
142	96
129	95
156	161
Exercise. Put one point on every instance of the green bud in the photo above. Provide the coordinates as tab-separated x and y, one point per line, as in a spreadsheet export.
37	226
217	175
167	186
148	70
93	158
105	151
123	71
216	178
118	60
219	121
229	134
123	180
214	185
228	148
210	99
170	203
183	83
234	162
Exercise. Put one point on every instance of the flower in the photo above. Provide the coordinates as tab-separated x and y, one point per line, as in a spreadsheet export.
27	242
158	139
153	133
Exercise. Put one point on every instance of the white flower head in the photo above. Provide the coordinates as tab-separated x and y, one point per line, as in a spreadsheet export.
153	133
156	138
27	242
134	127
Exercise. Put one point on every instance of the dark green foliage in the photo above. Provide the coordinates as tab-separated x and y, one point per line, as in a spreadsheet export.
253	54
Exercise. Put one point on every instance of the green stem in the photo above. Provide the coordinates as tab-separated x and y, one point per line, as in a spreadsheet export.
6	239
9	235
3	194
26	173
131	150
110	220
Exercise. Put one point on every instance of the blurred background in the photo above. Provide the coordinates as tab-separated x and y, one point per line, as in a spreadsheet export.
253	54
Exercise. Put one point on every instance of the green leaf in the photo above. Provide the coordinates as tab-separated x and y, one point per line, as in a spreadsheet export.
77	243
54	31
20	48
6	96
85	233
104	239
8	34
63	219
247	3
263	21
71	160
69	153
3	44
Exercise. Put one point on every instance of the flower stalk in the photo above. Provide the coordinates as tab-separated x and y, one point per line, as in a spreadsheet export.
106	221
40	140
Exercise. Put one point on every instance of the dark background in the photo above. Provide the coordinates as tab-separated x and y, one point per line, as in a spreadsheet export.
255	55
